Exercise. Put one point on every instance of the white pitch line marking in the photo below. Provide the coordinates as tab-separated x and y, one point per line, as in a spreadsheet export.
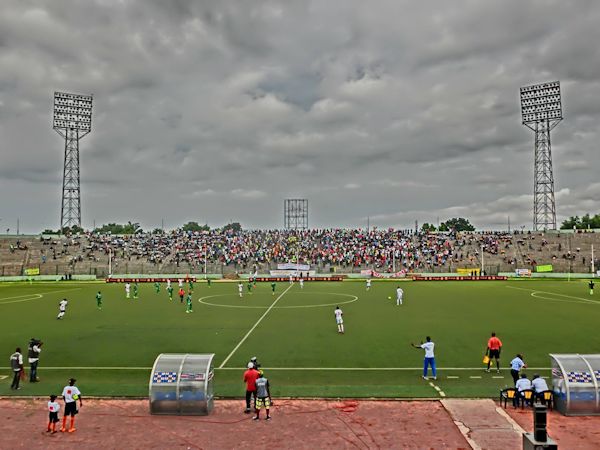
367	369
254	327
439	391
3	377
452	376
475	376
29	297
498	377
534	293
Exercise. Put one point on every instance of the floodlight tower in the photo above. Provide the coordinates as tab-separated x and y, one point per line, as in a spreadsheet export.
295	214
541	111
72	120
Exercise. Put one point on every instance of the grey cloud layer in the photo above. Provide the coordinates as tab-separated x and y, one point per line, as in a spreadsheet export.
217	111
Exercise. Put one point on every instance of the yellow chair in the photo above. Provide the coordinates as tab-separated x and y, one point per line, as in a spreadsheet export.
526	396
547	398
508	394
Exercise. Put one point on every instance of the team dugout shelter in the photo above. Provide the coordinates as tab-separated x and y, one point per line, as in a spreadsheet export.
182	384
576	384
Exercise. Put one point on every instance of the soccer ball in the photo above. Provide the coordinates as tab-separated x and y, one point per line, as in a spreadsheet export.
389	298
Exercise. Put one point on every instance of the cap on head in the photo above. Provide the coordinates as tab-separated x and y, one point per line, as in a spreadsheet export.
250	365
253	358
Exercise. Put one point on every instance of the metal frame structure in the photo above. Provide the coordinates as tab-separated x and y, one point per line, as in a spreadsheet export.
541	111
182	384
72	121
576	383
295	213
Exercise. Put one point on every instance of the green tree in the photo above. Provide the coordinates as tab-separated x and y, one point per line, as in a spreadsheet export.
72	230
114	228
428	227
235	226
458	224
582	223
571	222
194	226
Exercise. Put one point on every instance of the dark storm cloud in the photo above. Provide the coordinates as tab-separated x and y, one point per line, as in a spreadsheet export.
210	111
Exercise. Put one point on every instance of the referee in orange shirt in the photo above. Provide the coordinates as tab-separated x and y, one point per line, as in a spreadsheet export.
494	346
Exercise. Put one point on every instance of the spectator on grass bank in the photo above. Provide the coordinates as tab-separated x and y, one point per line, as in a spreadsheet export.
515	367
250	377
16	363
34	350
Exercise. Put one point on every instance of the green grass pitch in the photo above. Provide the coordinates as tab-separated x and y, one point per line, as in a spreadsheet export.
111	351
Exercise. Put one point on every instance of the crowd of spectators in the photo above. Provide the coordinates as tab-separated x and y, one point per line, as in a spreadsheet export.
384	250
381	249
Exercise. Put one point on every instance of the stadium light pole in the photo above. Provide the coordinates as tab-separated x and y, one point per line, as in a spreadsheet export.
541	111
481	270
72	121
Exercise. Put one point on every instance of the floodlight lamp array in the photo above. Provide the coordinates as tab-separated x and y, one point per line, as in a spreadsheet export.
541	102
72	111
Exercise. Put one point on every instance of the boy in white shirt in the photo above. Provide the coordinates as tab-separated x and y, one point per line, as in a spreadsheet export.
53	408
70	395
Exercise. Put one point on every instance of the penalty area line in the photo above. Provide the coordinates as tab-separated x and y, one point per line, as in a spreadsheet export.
254	327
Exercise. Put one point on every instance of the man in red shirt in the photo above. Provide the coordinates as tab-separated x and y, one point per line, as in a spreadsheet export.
250	377
494	346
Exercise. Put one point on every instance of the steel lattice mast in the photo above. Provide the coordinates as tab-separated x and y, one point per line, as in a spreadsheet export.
295	214
541	111
72	121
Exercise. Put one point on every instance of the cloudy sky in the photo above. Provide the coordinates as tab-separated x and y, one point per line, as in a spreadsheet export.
218	111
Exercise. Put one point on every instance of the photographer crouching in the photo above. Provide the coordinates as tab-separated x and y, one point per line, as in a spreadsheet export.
35	348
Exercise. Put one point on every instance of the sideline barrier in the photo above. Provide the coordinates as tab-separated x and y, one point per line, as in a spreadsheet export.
458	278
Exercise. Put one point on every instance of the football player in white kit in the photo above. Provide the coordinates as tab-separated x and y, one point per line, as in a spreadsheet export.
301	281
399	295
168	283
241	289
127	290
368	284
62	308
338	319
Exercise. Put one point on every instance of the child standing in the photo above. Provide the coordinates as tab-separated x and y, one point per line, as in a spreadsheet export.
53	408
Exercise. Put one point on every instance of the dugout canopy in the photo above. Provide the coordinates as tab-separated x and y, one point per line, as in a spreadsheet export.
576	384
182	384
